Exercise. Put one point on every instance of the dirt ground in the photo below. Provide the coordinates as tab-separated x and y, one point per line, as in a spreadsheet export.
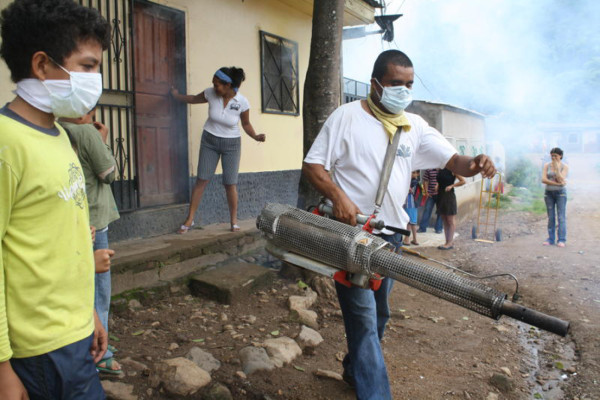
433	349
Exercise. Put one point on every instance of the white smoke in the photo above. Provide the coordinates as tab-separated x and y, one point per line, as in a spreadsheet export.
519	62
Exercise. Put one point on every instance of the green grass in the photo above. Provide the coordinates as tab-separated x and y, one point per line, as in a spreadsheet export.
522	199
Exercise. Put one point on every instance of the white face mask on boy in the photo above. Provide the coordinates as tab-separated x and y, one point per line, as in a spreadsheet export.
69	98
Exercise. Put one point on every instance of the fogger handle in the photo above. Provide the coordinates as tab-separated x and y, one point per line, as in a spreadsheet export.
535	318
361	219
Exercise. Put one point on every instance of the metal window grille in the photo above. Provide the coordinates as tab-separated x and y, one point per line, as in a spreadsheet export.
116	108
279	70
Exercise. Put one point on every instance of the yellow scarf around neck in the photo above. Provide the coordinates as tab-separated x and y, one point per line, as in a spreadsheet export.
391	122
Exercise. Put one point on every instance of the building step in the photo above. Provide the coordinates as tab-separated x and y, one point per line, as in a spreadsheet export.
146	263
231	283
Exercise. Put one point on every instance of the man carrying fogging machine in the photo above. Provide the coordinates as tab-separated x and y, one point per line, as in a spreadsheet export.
345	164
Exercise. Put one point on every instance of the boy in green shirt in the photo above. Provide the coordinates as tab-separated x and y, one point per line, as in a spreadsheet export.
98	163
49	333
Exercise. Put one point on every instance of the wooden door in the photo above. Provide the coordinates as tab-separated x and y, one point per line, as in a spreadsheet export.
161	124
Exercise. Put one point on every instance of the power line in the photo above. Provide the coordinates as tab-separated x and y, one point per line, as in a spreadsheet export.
425	86
399	8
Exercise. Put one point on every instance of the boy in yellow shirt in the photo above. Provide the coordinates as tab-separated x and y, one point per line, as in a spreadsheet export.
49	334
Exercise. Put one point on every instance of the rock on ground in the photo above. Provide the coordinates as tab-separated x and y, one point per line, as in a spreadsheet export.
283	350
134	365
255	359
302	302
218	391
181	377
328	374
203	359
118	390
309	337
305	317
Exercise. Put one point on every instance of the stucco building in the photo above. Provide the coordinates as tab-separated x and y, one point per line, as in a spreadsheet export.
181	43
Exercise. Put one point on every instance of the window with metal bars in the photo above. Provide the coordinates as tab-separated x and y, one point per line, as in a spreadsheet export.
279	70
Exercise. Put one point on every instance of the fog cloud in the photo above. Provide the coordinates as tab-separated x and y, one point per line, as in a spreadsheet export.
519	62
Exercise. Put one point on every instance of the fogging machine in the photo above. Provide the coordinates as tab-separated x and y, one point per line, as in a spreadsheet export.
327	246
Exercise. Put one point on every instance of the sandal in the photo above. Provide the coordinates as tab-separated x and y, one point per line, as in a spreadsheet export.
414	242
560	244
445	248
112	348
107	368
546	243
405	244
184	228
235	228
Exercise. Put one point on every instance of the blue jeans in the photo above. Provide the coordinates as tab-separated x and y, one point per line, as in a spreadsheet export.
65	373
426	216
366	313
102	288
556	203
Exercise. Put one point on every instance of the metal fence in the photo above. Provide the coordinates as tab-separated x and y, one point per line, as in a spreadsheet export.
355	90
116	108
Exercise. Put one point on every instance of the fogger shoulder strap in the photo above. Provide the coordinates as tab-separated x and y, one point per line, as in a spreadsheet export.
386	170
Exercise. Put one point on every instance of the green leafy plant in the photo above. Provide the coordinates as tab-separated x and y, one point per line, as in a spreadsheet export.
523	173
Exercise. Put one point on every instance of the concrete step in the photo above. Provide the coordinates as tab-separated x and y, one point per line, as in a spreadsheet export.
231	283
161	260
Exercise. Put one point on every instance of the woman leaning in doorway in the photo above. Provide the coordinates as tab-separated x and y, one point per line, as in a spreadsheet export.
554	176
221	137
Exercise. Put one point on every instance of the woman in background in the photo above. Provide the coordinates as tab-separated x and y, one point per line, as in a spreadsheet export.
221	138
412	209
446	204
554	176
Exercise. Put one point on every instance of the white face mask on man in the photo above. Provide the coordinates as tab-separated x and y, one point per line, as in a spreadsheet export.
69	98
395	98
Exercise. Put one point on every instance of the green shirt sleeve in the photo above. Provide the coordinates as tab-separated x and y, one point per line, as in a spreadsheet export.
8	187
97	153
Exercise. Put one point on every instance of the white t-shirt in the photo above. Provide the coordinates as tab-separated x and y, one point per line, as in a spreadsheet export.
224	121
352	145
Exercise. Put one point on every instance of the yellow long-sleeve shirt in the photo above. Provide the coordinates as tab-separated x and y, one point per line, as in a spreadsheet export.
46	258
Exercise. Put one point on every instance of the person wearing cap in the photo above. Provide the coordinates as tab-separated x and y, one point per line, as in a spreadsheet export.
221	138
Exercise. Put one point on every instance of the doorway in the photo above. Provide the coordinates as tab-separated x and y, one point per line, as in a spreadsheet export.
161	122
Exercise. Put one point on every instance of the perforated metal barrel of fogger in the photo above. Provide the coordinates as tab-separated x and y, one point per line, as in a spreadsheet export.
349	248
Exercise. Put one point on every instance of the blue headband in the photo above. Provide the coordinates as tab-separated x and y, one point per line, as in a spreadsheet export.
223	76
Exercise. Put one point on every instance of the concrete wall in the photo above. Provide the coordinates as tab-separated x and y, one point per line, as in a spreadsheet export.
255	189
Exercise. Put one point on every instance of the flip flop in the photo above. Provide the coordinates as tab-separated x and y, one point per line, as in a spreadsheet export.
235	228
414	242
445	248
184	228
108	367
112	348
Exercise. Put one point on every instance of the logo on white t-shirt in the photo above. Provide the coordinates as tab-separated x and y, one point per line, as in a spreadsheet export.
403	151
234	106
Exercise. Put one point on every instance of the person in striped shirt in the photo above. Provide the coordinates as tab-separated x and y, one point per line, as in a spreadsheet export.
431	185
